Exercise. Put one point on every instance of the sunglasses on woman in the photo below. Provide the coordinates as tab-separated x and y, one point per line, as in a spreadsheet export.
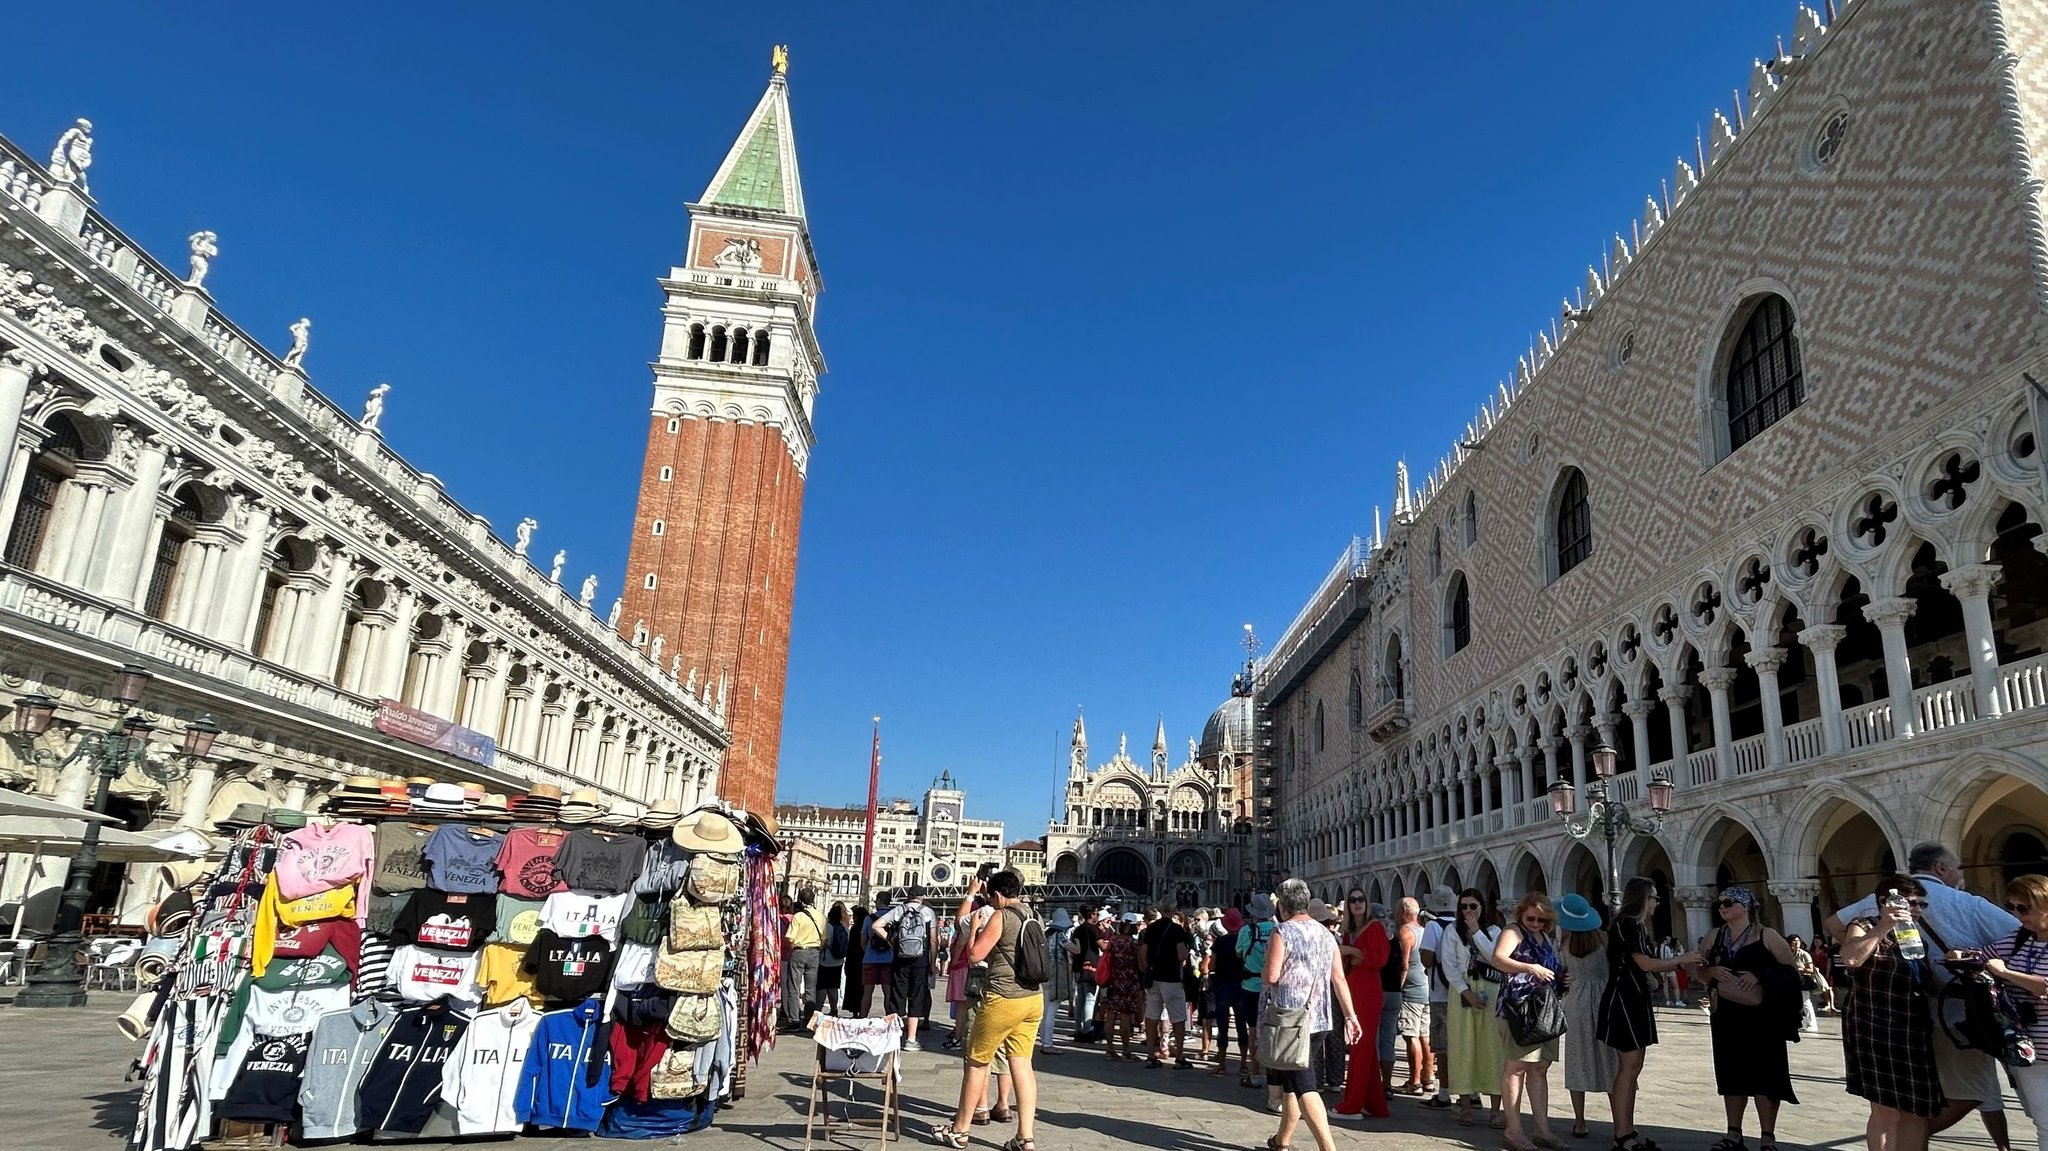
2018	908
1729	903
1354	899
1468	907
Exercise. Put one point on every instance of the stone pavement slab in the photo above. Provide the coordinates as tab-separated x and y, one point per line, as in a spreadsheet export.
61	1089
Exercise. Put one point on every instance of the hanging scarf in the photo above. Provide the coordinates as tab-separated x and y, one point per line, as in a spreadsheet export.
764	965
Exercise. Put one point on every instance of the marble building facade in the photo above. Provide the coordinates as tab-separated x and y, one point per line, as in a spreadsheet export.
175	493
1762	511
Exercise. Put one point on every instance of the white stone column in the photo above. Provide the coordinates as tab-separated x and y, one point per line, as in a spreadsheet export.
198	795
1577	733
16	371
1466	781
1795	902
1766	661
83	530
1674	697
1638	712
295	793
1698	903
390	677
316	639
1525	782
124	565
234	614
1890	616
1822	639
1718	680
1971	586
284	623
448	691
490	700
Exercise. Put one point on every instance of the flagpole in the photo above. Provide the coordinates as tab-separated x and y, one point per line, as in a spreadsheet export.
867	859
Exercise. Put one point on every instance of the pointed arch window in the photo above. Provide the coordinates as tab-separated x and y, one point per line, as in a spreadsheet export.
1457	617
1574	522
1354	699
1319	726
1436	552
1393	680
1471	519
1766	373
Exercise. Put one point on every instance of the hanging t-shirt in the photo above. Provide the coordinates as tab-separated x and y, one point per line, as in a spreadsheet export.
294	1011
317	858
266	1085
462	857
662	872
310	939
447	920
597	863
518	920
422	974
384	911
635	967
501	973
568	970
573	916
327	969
401	856
526	860
373	972
482	1076
344	1045
404	1081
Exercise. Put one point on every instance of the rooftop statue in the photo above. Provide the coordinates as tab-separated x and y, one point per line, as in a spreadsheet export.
73	154
373	408
302	332
205	246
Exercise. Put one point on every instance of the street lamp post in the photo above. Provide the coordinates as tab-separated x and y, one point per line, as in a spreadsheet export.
59	982
1610	818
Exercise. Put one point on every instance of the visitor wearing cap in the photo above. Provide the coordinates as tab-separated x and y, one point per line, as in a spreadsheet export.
913	926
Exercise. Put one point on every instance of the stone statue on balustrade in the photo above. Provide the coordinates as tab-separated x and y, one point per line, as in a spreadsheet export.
618	609
522	536
205	246
654	649
302	333
373	409
675	667
73	154
589	590
555	573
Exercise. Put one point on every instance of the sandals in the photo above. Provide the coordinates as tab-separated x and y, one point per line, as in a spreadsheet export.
1514	1144
1547	1141
1273	1144
1634	1141
1018	1143
1001	1114
981	1118
1579	1130
947	1137
1465	1114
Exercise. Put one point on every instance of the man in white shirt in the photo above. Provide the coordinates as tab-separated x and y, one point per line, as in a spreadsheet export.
1955	920
1441	904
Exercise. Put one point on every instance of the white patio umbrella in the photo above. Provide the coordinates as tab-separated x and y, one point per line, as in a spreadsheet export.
36	835
22	803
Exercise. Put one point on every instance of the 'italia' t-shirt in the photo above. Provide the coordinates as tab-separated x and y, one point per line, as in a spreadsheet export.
527	861
462	858
447	920
573	916
570	970
401	858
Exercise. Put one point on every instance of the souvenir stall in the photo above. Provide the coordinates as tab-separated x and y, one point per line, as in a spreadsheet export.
423	960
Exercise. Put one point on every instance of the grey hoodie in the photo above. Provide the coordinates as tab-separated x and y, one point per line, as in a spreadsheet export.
345	1043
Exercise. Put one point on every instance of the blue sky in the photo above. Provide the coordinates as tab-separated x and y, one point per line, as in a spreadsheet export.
1129	308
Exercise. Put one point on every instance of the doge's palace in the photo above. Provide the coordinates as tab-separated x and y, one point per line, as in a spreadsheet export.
1761	510
176	493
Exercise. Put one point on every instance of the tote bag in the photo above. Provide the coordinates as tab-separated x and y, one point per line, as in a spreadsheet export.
1283	1038
1536	1018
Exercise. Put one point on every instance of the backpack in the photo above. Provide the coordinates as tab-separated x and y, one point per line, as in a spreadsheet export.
1979	1014
1029	965
1252	945
835	945
907	931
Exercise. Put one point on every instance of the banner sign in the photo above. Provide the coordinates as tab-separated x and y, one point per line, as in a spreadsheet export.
415	726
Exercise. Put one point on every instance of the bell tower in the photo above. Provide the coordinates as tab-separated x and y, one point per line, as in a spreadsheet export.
712	566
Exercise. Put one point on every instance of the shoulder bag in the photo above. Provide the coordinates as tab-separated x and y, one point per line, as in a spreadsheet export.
712	878
695	1019
1744	989
693	972
693	928
675	1077
1284	1038
1536	1018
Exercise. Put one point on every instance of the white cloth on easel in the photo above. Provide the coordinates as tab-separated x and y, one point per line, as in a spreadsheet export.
859	1045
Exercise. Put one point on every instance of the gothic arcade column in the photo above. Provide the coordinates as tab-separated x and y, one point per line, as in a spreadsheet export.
1822	639
1674	697
1795	903
1698	903
1766	661
1718	680
1577	733
1971	586
1638	712
1890	616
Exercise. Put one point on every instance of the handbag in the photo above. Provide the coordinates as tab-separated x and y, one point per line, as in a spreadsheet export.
695	1019
693	928
977	982
712	878
1744	990
694	972
675	1077
1284	1038
1536	1018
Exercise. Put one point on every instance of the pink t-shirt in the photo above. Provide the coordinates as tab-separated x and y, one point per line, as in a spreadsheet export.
315	859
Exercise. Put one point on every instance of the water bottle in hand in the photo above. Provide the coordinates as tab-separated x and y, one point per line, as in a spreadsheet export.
1906	934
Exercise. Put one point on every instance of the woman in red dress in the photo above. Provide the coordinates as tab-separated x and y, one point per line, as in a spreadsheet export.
1364	947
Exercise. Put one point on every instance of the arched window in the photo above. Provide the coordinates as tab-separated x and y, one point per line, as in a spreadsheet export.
1766	378
1457	616
55	461
1436	552
179	528
657	528
1319	725
739	345
275	575
1393	682
696	341
1354	699
649	584
761	348
718	348
1574	523
1471	520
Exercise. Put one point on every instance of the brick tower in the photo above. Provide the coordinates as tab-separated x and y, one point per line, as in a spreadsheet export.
713	563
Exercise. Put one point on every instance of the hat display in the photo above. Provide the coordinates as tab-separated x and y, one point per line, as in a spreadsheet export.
541	803
1575	913
708	830
243	815
662	813
616	817
1321	912
493	806
582	806
440	799
1440	901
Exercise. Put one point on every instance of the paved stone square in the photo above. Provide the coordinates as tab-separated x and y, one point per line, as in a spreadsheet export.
61	1089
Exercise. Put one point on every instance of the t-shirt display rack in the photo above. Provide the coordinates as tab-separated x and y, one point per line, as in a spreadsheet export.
627	1014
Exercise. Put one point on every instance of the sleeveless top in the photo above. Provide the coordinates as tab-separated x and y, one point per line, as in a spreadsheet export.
1309	949
1415	986
1002	959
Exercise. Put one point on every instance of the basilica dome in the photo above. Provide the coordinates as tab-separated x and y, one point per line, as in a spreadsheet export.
1231	724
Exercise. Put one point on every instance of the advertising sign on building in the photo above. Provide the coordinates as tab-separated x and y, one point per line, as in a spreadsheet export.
415	726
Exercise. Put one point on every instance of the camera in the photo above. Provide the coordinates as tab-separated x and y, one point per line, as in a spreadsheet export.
985	870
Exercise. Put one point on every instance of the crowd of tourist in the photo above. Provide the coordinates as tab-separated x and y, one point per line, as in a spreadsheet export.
1941	997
